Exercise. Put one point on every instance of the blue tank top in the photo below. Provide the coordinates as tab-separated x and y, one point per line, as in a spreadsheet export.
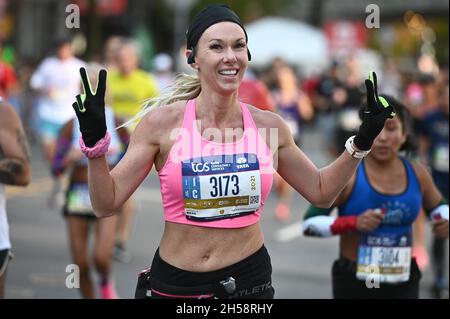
400	210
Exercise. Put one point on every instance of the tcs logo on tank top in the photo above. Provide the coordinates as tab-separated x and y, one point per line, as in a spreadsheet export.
204	167
200	167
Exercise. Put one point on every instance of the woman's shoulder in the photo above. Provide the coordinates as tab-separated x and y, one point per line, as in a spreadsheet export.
265	119
165	117
421	171
8	115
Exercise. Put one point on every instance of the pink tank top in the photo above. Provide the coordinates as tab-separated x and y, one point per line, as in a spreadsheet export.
209	184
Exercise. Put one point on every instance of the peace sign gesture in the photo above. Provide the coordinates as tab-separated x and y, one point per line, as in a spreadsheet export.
377	104
90	109
378	110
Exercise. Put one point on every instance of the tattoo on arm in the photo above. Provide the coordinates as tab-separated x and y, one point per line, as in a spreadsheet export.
9	169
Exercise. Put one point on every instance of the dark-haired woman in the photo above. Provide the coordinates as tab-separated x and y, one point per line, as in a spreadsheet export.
376	211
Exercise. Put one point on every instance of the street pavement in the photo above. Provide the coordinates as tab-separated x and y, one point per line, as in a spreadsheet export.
301	266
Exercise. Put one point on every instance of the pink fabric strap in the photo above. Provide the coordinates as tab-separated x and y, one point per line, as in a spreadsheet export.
99	149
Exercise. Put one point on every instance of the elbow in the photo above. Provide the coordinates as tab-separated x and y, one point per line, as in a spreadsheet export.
104	213
321	200
101	211
26	178
23	180
322	204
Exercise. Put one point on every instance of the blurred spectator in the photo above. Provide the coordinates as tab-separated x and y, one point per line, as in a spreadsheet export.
111	50
323	99
434	147
422	98
128	88
128	85
348	98
391	83
163	68
255	92
57	80
7	78
15	169
294	107
327	84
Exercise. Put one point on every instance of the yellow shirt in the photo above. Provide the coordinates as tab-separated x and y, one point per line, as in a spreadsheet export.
128	93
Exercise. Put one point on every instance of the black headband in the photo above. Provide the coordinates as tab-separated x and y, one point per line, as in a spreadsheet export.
210	15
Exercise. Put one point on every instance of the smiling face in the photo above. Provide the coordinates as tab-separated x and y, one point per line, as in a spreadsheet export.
221	57
389	141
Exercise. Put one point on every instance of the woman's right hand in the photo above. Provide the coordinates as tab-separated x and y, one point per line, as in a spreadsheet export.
369	220
90	109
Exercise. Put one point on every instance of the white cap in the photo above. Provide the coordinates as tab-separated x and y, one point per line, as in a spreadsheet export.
162	62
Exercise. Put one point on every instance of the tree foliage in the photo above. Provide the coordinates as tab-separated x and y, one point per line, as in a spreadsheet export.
248	10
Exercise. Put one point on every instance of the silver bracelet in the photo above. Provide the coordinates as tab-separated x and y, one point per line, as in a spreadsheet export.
350	147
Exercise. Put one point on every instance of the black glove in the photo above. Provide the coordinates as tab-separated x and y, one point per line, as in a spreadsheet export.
378	110
90	109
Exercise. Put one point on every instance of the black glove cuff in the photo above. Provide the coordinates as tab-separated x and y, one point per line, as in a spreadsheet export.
91	138
362	143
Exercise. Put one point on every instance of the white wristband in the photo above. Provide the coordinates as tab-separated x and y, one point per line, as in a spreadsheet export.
349	146
440	212
318	226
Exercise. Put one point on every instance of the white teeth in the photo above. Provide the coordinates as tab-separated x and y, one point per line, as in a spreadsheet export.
228	72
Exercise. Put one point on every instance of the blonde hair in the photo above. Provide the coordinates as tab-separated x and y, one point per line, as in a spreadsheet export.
184	87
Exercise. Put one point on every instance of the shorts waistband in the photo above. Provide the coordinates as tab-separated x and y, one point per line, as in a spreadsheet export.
246	278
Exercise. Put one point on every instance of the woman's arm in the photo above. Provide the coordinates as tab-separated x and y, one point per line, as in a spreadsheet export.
63	146
431	194
109	190
15	167
435	205
319	186
317	222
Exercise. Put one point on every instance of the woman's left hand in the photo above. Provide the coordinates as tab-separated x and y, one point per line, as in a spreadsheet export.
378	110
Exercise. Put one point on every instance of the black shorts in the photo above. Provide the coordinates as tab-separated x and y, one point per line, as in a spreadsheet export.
5	256
347	286
250	278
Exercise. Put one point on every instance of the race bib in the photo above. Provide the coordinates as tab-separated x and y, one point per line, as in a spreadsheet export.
219	187
385	257
440	158
78	201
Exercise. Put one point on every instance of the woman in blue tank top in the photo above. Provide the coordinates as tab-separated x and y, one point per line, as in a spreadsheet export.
376	211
